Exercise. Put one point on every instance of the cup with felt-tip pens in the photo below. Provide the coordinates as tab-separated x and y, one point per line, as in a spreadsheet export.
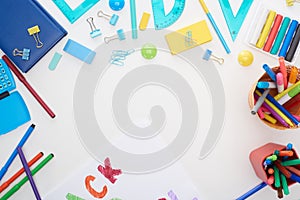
275	97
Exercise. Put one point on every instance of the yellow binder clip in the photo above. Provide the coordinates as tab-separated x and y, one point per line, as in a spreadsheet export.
34	31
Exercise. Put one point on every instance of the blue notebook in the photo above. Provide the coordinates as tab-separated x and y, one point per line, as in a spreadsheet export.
16	17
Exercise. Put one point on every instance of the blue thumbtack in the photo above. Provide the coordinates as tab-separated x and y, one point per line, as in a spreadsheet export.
112	19
25	53
120	35
116	5
209	56
95	32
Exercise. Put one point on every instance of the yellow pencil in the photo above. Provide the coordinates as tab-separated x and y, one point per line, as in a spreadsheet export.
283	116
266	29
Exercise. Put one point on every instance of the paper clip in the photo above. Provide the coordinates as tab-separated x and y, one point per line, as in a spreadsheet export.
120	35
291	2
118	56
25	53
112	19
34	31
189	39
208	55
95	32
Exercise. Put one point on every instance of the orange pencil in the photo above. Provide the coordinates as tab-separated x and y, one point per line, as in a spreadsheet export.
20	172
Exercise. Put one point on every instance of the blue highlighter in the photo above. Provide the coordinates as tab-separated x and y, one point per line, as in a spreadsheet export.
288	38
116	5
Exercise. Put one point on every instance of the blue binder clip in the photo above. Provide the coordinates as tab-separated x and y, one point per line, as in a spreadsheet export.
95	32
120	35
25	53
112	19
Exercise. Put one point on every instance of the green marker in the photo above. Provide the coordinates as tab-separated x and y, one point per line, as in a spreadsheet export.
291	162
280	35
289	95
73	197
276	177
25	179
284	184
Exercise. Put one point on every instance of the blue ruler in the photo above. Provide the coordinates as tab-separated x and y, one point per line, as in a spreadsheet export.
234	23
161	20
73	15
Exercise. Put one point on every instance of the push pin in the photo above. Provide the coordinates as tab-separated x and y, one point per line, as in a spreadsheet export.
120	35
95	32
25	53
291	2
208	55
112	19
34	31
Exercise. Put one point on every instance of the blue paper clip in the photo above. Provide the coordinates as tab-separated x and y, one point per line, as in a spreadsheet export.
118	56
25	53
112	19
95	32
120	35
189	39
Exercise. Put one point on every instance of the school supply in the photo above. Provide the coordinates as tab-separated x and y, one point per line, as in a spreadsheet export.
20	172
259	102
14	111
28	173
73	15
291	2
54	61
209	56
213	23
276	36
133	19
149	51
144	21
44	32
163	20
245	58
293	76
234	23
26	84
120	35
94	31
79	51
25	179
199	34
118	56
283	70
112	19
116	5
25	54
14	153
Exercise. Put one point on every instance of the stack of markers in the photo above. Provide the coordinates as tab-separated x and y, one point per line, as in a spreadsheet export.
282	169
276	34
277	97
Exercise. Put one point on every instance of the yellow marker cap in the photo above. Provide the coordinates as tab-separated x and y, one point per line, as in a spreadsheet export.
293	75
33	30
144	21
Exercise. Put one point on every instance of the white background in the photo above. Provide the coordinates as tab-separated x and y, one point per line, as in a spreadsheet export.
225	174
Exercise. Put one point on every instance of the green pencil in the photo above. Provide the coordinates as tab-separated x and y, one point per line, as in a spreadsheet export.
25	179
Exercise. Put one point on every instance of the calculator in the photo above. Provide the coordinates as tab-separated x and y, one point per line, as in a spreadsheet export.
13	110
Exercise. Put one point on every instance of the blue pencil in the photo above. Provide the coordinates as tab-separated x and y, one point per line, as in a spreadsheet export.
282	109
252	191
15	152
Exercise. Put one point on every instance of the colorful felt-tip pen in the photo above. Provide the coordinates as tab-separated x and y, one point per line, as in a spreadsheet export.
293	76
270	72
283	71
279	96
265	85
289	95
266	30
288	38
279	81
259	102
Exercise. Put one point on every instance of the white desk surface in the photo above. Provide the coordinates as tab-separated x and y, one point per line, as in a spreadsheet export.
225	174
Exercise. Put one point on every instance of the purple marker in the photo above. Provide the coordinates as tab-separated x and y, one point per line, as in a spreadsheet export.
28	173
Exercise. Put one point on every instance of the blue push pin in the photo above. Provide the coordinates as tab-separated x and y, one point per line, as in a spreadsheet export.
116	5
95	32
112	19
120	35
25	53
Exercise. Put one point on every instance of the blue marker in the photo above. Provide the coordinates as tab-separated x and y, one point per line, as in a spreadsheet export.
265	85
288	38
270	72
15	152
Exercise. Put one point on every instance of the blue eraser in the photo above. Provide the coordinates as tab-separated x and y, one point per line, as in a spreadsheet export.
79	51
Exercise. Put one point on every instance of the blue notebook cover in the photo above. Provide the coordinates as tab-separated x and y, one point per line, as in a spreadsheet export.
15	18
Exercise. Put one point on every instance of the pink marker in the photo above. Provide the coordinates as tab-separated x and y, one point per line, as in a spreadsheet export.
280	82
283	71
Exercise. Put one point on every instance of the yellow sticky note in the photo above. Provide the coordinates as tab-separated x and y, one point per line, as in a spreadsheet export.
188	37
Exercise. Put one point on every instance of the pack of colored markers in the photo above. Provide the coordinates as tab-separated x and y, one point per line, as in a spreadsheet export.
275	34
275	97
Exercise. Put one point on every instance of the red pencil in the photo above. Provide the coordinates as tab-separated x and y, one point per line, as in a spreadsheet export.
27	85
20	172
273	33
